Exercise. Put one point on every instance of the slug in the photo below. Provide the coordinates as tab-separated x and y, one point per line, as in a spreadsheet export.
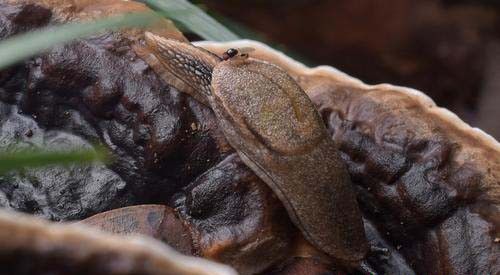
272	124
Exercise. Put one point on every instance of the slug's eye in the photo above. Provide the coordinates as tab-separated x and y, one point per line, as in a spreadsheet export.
229	54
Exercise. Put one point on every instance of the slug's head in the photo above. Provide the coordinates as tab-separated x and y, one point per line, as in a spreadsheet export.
233	53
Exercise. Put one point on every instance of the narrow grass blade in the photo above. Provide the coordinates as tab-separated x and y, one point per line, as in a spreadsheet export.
192	18
38	158
20	47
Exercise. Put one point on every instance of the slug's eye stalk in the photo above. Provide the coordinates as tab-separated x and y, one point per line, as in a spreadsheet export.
230	53
245	51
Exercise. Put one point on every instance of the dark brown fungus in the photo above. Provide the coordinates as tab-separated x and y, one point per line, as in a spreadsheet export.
426	181
239	221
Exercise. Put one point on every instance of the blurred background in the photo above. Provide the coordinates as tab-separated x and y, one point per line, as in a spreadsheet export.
448	49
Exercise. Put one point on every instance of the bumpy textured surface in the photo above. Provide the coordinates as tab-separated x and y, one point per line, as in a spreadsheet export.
97	91
428	188
416	191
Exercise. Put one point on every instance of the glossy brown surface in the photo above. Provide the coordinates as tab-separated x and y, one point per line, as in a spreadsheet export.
235	218
428	190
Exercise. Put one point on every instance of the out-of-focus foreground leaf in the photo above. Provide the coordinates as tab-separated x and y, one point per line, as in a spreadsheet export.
193	18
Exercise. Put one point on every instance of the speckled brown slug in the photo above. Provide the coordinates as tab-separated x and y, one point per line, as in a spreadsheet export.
277	132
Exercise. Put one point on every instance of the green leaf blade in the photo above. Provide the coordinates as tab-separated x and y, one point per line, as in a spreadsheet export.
16	160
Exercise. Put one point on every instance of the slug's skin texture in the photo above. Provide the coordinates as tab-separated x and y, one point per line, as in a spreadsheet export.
277	132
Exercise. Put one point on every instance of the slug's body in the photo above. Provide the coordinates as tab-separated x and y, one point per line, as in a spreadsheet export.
278	133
